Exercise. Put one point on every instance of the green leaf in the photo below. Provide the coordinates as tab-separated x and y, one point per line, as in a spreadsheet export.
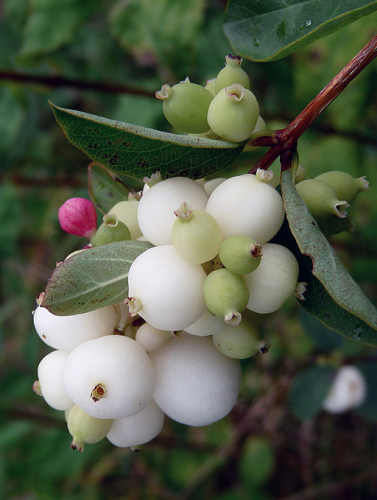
138	152
309	389
52	23
369	408
332	295
105	188
266	31
94	278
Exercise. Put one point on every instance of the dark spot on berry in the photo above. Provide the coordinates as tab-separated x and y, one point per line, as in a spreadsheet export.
44	336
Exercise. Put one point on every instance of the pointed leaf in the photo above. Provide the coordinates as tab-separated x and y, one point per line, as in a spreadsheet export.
92	279
309	389
331	295
266	31
105	188
138	151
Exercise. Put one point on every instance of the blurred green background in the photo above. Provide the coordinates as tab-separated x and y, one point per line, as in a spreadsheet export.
97	57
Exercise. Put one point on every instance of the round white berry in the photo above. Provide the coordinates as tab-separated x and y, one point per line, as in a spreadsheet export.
109	377
195	384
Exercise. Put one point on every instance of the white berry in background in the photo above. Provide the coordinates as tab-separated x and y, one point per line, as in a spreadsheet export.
49	384
207	324
68	332
109	377
210	186
151	338
195	384
137	429
166	290
274	280
348	390
247	205
156	208
85	429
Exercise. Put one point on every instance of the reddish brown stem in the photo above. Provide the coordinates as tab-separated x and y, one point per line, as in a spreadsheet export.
288	137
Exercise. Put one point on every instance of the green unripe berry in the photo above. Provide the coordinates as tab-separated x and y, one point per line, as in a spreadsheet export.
240	254
186	106
232	73
301	174
239	342
321	199
226	295
110	231
126	211
196	235
86	429
346	186
211	86
233	113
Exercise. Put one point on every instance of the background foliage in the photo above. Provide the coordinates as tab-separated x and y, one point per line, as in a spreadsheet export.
108	58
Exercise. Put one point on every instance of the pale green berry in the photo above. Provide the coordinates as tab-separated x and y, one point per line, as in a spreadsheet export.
274	280
226	295
239	342
126	211
196	235
232	73
300	173
240	254
110	231
186	106
211	86
233	113
346	186
86	429
321	199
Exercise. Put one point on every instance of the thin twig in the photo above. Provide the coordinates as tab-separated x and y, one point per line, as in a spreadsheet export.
59	81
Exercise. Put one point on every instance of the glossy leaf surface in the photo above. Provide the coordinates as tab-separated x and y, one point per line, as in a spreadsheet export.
266	31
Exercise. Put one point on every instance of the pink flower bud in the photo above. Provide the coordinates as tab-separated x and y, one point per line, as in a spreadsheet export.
78	216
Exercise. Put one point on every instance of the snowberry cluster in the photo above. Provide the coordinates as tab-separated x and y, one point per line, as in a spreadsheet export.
196	301
196	298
